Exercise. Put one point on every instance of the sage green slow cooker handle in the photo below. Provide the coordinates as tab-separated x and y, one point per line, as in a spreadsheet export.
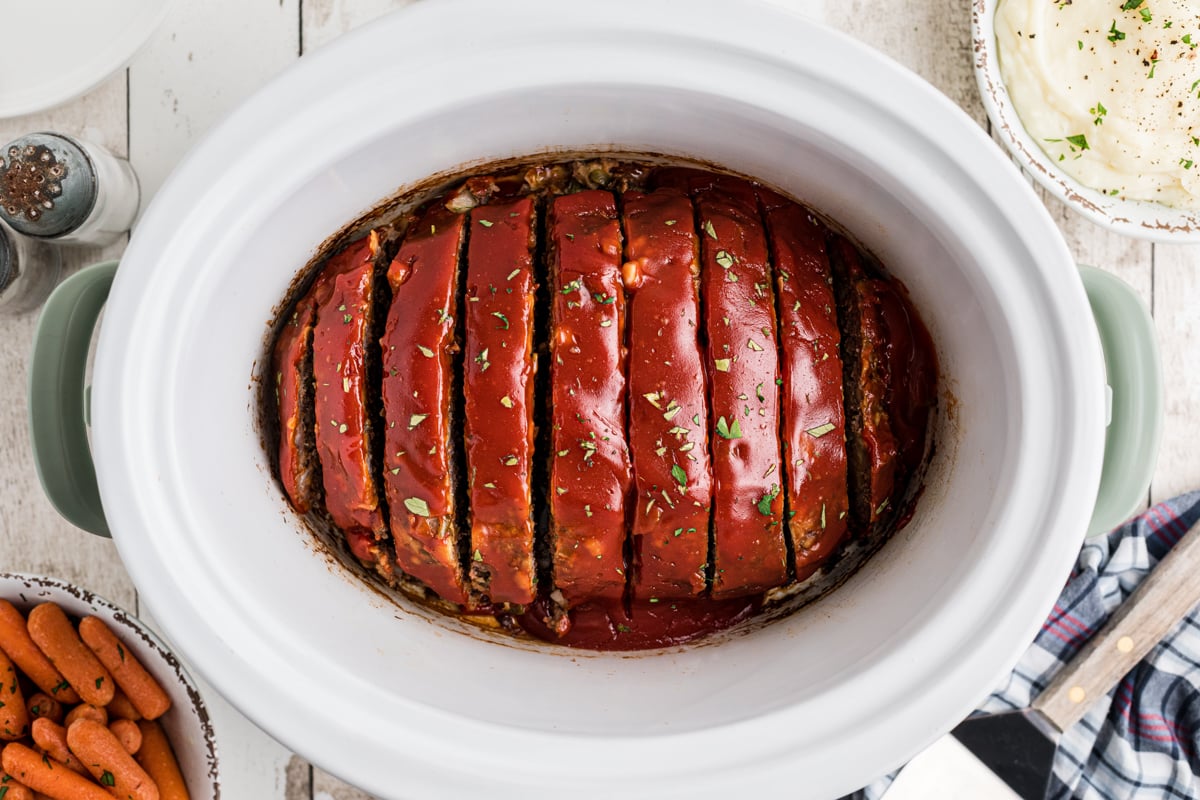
1135	380
58	402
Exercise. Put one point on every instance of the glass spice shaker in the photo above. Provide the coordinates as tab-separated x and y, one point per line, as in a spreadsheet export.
29	271
56	187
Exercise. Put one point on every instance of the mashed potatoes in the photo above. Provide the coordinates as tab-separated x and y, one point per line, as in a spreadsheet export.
1111	90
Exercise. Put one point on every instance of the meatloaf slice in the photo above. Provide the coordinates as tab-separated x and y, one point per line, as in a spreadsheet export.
418	347
814	428
870	442
499	376
345	296
743	370
669	416
911	369
299	471
590	473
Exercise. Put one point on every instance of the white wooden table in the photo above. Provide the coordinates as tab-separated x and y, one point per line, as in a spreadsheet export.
209	56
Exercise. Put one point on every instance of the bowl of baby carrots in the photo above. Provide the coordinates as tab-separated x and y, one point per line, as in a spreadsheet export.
92	704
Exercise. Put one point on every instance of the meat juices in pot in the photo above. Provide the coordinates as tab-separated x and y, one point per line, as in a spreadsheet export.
614	404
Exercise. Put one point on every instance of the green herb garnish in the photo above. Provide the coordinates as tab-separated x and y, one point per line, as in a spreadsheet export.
764	505
1080	141
416	505
820	430
728	431
679	475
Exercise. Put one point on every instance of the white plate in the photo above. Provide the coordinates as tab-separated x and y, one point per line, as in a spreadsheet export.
55	50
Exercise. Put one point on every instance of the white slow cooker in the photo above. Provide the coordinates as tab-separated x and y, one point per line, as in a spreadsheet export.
408	705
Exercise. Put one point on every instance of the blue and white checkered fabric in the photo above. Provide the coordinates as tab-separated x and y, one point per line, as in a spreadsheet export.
1143	740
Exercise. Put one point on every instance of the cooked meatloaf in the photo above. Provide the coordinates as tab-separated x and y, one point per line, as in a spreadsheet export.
602	399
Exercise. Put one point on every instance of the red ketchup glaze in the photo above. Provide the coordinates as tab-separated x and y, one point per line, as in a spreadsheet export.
873	378
908	352
343	295
291	350
668	404
590	473
814	430
608	625
418	347
744	375
499	382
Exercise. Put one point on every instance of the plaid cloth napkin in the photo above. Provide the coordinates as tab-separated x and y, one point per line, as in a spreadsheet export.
1143	740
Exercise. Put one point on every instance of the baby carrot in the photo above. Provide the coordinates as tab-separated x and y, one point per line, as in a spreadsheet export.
138	685
52	632
128	734
14	717
43	705
45	776
52	739
120	707
106	759
156	758
86	711
16	643
12	789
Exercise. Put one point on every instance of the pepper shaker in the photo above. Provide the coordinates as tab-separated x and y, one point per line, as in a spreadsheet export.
56	187
29	270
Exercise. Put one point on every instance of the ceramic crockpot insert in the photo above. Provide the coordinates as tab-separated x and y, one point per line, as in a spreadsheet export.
404	704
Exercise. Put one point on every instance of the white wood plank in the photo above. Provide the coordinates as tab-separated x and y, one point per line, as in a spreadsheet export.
33	537
322	21
1177	318
206	59
1131	260
930	37
327	787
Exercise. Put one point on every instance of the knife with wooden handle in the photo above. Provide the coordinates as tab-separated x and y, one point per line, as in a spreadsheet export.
1019	746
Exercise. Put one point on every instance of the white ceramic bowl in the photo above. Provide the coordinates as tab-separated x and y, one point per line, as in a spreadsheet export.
1138	218
405	704
187	723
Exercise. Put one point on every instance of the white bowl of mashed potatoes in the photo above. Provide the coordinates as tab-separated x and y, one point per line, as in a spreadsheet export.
1101	105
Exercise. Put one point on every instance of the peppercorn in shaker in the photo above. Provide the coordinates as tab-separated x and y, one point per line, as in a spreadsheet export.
29	270
56	187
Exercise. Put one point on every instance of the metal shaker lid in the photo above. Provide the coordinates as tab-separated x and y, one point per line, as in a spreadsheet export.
47	185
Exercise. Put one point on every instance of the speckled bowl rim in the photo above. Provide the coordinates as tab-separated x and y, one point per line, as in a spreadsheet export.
147	646
1136	218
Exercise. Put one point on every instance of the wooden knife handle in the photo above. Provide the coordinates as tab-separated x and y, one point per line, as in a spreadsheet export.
1161	600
